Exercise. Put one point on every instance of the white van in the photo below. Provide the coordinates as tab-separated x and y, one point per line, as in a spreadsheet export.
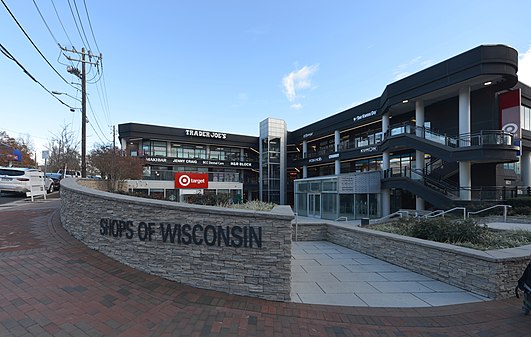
70	173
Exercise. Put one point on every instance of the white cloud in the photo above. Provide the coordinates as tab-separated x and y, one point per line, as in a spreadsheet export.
524	67
296	81
408	68
296	106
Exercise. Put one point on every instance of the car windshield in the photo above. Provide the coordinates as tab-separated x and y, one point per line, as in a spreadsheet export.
11	172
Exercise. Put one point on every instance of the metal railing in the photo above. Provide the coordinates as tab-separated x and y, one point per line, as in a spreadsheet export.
441	213
505	207
484	137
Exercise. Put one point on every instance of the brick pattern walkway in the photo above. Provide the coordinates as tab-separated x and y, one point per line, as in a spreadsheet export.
52	285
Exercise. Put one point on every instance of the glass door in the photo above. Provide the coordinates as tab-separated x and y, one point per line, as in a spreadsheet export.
314	205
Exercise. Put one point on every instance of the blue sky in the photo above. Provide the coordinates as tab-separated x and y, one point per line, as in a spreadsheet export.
227	65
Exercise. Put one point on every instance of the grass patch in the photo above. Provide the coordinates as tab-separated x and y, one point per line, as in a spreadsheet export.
465	233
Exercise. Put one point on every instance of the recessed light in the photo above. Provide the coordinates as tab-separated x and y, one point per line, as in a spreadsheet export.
487	83
405	101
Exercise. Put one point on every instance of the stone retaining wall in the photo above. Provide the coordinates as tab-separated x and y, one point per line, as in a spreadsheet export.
235	251
493	274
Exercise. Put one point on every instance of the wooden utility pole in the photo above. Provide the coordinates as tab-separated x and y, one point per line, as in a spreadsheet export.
83	116
83	77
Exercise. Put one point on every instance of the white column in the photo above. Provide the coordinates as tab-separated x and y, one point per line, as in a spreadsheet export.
337	142
525	168
386	194
304	155
419	155
465	177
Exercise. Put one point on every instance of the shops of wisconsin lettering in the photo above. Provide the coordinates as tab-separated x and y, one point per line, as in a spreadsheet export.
186	234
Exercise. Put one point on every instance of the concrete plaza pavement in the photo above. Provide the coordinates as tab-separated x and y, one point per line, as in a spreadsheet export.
52	285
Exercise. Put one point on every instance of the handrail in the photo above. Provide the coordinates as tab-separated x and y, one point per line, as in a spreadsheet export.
342	218
400	213
484	137
492	207
448	211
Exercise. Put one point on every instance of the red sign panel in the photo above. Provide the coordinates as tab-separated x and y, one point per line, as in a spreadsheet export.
510	112
191	180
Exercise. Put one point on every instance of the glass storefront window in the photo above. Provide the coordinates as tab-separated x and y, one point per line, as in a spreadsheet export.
159	149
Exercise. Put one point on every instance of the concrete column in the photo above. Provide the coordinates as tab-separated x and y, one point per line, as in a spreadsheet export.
386	194
304	155
465	177
525	168
385	123
464	180
337	142
419	155
464	110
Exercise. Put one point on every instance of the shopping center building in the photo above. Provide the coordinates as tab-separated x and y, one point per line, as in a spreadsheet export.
455	133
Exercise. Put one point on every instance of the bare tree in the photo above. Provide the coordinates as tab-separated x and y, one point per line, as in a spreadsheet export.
115	166
63	149
7	147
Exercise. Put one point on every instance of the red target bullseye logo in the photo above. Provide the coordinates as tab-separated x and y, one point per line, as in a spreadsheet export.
184	180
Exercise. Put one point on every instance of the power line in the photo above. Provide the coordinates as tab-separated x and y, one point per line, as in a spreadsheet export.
90	25
77	27
97	123
61	22
12	58
45	23
81	24
35	46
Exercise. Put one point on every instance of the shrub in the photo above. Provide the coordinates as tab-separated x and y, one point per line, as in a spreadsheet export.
450	231
209	199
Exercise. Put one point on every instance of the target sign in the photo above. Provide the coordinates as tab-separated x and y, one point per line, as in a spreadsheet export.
191	180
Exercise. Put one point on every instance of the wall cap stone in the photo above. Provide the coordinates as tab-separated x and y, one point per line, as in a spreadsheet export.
497	255
72	184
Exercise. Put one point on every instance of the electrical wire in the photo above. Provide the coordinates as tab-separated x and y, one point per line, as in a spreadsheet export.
12	58
97	123
61	22
45	23
34	45
82	27
77	27
90	25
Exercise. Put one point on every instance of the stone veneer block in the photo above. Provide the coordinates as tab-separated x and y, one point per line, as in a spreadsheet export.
118	226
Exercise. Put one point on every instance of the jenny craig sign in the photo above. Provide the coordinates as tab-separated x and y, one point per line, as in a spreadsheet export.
191	180
185	234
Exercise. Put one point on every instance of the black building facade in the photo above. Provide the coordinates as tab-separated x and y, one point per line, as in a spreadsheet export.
442	137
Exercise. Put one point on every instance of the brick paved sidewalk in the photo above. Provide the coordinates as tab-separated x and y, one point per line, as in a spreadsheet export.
52	285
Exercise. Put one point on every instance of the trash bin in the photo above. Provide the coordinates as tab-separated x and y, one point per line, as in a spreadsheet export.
364	221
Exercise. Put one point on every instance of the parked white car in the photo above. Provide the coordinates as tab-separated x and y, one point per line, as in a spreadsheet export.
21	180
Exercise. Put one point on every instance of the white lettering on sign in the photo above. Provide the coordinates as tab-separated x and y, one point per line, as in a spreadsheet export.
237	163
369	149
363	116
315	160
334	155
306	135
156	160
206	134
